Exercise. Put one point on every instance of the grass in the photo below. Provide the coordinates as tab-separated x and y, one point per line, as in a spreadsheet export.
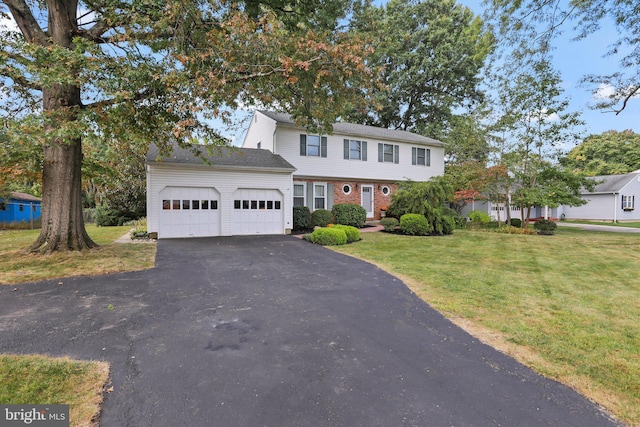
47	380
567	305
19	266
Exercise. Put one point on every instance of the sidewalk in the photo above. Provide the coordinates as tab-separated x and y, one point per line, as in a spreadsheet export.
596	227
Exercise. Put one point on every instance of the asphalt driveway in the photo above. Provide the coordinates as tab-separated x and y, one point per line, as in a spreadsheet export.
274	331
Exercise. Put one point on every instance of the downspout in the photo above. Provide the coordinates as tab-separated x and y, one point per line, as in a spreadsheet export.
615	207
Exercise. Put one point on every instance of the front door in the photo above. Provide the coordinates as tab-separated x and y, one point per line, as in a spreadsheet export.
367	199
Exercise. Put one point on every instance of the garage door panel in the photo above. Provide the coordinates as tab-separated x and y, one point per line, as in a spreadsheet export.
258	211
189	212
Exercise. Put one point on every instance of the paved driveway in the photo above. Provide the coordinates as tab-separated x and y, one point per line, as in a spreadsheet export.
274	331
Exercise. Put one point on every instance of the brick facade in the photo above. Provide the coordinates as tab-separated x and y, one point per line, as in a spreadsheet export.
355	196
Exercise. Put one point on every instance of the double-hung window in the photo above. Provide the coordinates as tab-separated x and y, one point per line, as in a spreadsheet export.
313	145
319	196
388	153
355	150
628	202
299	194
420	156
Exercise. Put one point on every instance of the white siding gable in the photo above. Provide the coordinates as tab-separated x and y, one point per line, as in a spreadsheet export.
261	131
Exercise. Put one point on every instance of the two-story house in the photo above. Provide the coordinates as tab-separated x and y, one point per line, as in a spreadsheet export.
355	164
252	190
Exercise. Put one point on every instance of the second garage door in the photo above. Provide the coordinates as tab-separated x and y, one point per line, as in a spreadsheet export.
257	211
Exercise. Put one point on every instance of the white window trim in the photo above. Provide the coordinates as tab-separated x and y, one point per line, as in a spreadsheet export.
628	202
324	184
304	192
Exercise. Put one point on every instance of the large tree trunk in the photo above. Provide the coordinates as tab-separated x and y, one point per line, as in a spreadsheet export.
62	220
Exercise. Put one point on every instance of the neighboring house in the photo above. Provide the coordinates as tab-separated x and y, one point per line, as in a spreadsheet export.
613	199
355	164
240	192
20	207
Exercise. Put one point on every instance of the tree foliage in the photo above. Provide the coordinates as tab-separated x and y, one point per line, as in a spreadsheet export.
532	25
610	153
432	52
125	73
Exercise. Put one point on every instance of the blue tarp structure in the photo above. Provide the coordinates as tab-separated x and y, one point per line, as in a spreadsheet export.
20	207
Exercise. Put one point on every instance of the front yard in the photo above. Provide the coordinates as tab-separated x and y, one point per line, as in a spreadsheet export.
566	305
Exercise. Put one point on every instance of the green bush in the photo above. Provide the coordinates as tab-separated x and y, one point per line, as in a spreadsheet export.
349	214
301	218
458	220
479	217
321	218
415	225
516	222
389	224
329	236
545	227
353	234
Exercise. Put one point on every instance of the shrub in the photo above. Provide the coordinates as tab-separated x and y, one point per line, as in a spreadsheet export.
321	217
353	234
479	217
509	229
516	222
389	224
349	214
545	227
415	225
458	220
329	236
301	218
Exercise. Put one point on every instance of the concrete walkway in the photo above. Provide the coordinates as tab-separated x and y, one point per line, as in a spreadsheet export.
596	227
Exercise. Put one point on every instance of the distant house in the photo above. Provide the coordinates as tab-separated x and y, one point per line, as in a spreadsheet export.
20	207
613	199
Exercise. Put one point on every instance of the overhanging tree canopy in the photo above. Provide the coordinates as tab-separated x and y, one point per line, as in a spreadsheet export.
130	72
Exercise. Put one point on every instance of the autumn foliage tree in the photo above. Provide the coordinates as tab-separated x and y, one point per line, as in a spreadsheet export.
129	72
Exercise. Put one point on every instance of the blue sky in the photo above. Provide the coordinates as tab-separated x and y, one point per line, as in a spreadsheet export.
574	59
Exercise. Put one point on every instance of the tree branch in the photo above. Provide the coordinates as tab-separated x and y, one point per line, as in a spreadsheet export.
626	100
26	22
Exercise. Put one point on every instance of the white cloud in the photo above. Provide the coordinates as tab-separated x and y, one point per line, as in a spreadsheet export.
7	24
607	91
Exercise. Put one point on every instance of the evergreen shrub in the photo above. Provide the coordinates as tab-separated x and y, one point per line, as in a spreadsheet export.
329	236
321	218
349	214
415	225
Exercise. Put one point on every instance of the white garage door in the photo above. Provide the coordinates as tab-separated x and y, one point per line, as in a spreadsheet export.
258	211
189	212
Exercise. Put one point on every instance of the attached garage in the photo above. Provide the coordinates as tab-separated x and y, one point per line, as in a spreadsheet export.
234	192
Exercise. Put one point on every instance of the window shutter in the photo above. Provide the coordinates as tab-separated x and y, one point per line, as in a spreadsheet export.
428	157
323	146
346	149
396	154
414	155
364	151
303	145
380	153
329	196
310	203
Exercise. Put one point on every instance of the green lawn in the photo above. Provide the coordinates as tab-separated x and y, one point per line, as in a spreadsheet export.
634	224
46	380
19	266
567	305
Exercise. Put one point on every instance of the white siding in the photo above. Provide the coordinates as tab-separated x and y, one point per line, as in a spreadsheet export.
335	166
261	131
225	182
608	206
